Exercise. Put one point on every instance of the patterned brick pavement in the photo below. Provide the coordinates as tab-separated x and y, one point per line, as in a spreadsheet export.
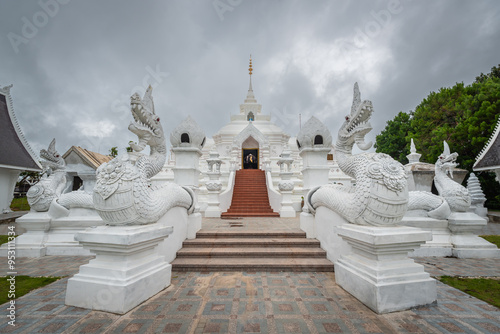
252	302
260	302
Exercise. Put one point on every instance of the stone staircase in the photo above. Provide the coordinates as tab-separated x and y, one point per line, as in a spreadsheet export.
250	198
251	251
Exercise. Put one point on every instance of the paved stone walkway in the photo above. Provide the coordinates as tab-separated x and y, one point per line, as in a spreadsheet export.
253	302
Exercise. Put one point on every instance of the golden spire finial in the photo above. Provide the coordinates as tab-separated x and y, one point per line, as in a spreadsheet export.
250	66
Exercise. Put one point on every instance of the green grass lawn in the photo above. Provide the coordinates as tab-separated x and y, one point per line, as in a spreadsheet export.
24	284
494	239
486	289
4	239
20	204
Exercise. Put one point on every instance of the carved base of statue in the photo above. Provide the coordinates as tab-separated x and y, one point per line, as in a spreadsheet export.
127	270
53	232
65	225
378	271
440	245
465	227
32	242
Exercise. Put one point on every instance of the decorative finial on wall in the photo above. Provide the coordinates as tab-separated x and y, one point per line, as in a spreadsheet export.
250	69
413	157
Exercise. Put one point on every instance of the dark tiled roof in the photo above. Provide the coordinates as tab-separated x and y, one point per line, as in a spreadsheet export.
490	155
13	152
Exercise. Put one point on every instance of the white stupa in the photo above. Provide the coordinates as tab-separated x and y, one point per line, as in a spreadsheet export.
252	132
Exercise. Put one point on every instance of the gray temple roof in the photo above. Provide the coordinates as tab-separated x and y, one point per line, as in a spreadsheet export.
15	152
489	158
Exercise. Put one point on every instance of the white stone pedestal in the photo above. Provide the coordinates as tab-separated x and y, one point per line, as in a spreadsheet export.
186	170
286	186
213	210
315	173
126	271
214	186
287	210
61	236
465	227
379	273
32	242
440	245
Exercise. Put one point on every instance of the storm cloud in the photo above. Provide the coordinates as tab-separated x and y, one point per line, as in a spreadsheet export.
74	64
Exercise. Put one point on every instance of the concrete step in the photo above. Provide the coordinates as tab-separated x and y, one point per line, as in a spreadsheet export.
250	197
226	215
250	212
250	234
251	250
251	242
260	252
250	208
251	264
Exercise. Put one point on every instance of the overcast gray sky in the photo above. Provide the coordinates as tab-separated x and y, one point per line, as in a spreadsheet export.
75	63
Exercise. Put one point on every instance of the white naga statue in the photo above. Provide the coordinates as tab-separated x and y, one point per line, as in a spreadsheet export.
53	184
380	194
455	194
123	194
453	197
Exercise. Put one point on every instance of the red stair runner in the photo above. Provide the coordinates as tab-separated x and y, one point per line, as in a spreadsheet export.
250	198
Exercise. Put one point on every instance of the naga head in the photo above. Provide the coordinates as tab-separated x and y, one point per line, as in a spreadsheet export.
52	159
356	124
146	124
447	161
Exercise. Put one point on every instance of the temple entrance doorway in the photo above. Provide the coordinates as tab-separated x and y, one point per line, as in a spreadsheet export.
250	158
250	153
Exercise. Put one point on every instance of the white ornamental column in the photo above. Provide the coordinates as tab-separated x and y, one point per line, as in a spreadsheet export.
214	186
286	184
187	140
314	142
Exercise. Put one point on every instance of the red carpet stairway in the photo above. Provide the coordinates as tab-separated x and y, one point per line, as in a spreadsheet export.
251	251
250	198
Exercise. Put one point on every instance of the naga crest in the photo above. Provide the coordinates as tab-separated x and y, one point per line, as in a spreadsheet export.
146	124
447	161
52	158
356	124
51	186
454	193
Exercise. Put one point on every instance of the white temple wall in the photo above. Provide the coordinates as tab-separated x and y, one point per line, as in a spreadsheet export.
8	179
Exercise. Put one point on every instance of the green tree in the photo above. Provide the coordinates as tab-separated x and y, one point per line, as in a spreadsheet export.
464	116
495	73
113	152
394	140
